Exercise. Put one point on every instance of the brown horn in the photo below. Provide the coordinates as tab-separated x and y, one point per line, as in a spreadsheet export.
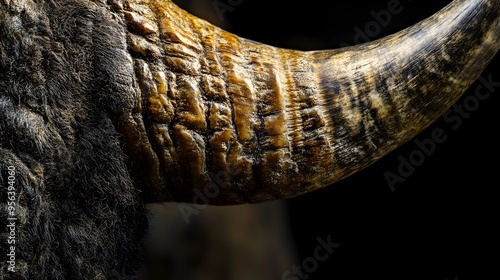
226	120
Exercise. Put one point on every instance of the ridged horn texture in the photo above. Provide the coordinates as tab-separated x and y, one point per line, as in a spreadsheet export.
226	120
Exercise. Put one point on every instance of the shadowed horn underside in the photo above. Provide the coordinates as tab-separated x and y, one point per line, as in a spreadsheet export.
225	120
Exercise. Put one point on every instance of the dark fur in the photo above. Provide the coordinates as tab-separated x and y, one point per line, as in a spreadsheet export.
64	75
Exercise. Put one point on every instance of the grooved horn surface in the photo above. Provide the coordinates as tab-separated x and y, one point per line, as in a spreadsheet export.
225	120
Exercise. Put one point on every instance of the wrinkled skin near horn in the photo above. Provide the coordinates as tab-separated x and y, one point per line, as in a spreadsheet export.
105	105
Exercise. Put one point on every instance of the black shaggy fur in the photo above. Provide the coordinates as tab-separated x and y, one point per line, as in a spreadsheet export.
64	75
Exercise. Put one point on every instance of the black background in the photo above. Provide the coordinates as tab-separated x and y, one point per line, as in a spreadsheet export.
438	224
